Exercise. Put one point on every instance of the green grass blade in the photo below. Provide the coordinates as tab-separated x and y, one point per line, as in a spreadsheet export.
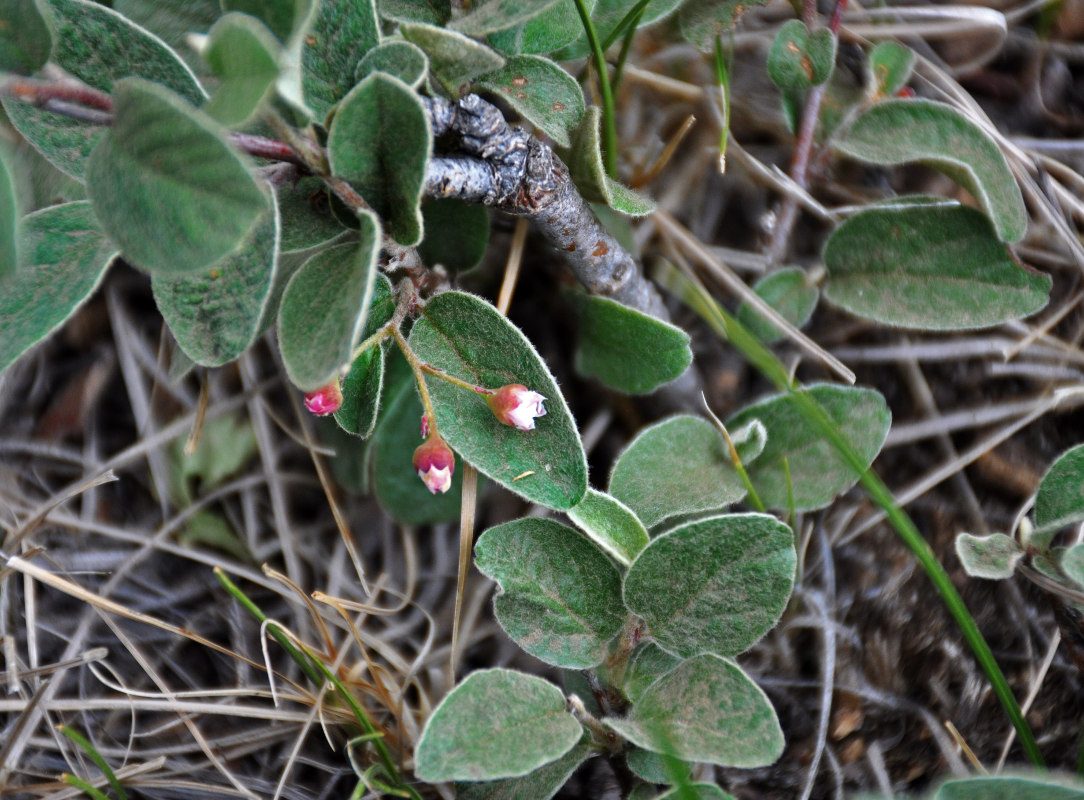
83	786
92	753
609	124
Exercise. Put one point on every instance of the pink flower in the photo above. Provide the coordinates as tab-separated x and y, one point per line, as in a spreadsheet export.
435	463
516	405
325	400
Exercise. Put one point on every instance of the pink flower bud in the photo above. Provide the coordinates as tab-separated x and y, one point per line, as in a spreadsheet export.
325	400
425	426
516	405
435	464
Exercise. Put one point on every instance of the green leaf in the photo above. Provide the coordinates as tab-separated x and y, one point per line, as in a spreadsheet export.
9	217
706	709
655	767
454	59
215	314
456	234
99	47
649	662
626	349
495	724
399	59
714	586
324	308
610	524
678	466
167	187
1060	499
993	557
243	53
497	15
24	37
281	17
224	446
901	131
468	338
172	20
932	267
557	26
696	791
608	15
703	20
306	215
431	12
790	293
1005	788
890	66
380	141
584	160
547	96
817	471
541	784
1072	563
63	258
560	597
342	32
364	384
800	58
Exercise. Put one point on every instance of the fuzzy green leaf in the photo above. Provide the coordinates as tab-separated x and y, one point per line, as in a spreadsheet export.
172	20
495	724
706	709
993	557
380	141
714	586
396	484
890	67
399	59
654	768
703	20
63	258
1060	499
678	466
342	32
541	784
454	59
588	172
790	293
24	37
456	234
9	218
800	58
281	17
627	349
431	12
363	385
1072	563
243	54
325	306
99	47
649	662
469	339
215	313
498	15
560	597
901	131
608	15
167	187
557	26
610	524
1006	788
817	472
306	215
547	96
932	267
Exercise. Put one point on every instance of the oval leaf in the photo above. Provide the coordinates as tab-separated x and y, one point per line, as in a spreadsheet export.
495	724
707	709
817	472
24	37
401	60
714	586
703	20
656	768
1060	499
456	234
993	557
560	597
932	267
790	293
364	383
432	12
380	141
890	67
649	662
165	185
64	256
496	15
454	59
551	30
899	131
585	164
610	524
324	308
547	96
9	217
243	54
215	314
675	467
469	339
342	32
800	58
627	349
1072	563
306	215
1007	789
541	784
